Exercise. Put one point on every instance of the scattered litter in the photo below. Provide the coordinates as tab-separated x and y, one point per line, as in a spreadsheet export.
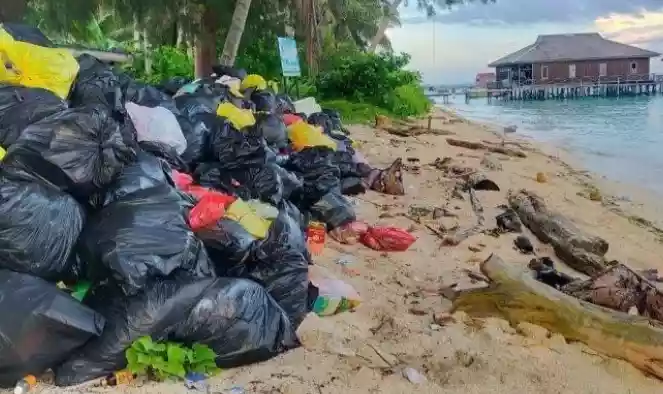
196	381
541	177
236	390
414	376
524	245
508	221
345	260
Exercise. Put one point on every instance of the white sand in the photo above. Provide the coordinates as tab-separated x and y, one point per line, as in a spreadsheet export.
467	356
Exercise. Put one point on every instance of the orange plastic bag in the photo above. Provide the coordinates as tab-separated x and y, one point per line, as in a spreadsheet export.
387	239
210	208
289	119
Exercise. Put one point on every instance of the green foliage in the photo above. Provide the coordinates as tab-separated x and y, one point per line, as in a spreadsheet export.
169	360
377	79
355	113
167	62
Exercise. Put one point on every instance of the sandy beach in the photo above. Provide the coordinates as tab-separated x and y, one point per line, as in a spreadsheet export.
395	326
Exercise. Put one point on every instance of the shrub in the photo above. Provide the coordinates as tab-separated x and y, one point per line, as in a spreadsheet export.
378	79
167	62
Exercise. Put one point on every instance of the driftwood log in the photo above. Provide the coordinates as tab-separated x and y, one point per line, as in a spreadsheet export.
412	131
580	251
487	147
517	297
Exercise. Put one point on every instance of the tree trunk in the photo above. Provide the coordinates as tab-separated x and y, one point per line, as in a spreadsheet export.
514	295
235	32
384	24
205	44
147	51
580	251
13	10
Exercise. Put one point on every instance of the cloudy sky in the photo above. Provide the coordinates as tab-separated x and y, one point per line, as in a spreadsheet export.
455	45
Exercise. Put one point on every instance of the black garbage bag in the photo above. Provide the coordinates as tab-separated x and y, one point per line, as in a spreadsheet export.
284	104
42	326
80	150
203	101
292	184
264	100
228	244
143	231
346	164
166	153
334	210
172	85
148	96
353	186
323	120
211	175
39	227
239	321
27	33
280	265
96	83
317	169
156	312
20	107
221	70
235	150
335	118
197	130
272	129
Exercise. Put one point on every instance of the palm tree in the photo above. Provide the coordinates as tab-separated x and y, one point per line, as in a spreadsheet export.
427	6
234	35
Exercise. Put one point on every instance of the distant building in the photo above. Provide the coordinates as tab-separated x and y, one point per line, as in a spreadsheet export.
483	79
573	58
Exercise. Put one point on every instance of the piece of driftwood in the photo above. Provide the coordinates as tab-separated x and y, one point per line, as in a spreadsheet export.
580	251
460	235
481	146
412	131
517	297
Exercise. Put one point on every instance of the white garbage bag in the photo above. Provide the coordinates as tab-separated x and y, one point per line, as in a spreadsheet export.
157	125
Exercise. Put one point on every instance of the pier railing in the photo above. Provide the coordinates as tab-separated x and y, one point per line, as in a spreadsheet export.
582	81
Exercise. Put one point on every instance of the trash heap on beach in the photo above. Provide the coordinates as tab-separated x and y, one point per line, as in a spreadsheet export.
181	212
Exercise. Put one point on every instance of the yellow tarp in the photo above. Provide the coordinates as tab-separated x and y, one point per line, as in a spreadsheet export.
2	153
303	135
241	212
33	66
254	81
240	118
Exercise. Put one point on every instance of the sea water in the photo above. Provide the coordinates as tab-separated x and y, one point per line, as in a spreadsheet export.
619	138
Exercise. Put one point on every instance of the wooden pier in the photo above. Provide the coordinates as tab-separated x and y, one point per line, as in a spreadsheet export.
572	89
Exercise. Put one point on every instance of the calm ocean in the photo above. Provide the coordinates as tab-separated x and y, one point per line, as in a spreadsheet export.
621	139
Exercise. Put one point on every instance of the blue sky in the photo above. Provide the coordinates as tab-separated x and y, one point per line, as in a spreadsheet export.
455	45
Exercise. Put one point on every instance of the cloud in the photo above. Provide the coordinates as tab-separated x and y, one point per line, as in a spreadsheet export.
509	12
637	29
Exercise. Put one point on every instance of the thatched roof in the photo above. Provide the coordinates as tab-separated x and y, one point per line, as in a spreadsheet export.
570	47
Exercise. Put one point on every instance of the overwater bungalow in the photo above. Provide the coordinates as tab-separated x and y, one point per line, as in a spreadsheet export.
575	65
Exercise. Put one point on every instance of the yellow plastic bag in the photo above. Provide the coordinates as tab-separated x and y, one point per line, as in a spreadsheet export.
2	153
242	213
240	118
33	66
303	135
254	81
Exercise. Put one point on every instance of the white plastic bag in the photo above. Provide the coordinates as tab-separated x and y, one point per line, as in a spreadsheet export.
157	125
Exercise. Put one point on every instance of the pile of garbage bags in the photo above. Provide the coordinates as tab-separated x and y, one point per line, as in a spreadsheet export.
184	206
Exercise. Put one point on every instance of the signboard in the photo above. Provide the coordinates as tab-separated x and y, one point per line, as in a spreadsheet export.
289	57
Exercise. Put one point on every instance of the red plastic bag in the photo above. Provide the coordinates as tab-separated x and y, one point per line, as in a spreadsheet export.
289	119
387	239
210	208
182	180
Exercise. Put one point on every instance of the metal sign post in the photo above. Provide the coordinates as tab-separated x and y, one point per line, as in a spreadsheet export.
289	61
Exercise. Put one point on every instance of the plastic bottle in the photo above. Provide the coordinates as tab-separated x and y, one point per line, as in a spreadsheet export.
25	385
118	378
